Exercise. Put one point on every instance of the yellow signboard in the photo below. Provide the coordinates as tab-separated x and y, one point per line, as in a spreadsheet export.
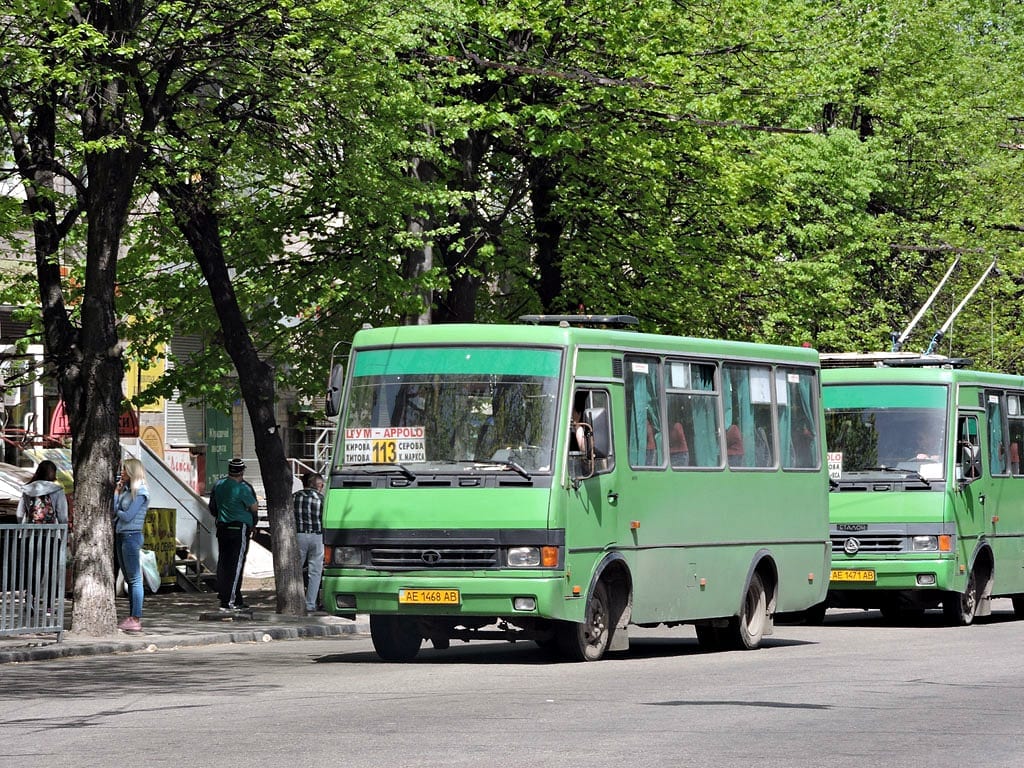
139	378
159	534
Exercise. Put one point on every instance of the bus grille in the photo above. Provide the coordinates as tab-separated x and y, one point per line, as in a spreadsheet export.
870	544
449	557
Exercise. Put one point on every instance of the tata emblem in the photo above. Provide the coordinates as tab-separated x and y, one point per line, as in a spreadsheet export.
851	546
431	557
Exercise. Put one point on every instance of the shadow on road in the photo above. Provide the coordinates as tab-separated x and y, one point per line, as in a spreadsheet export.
525	652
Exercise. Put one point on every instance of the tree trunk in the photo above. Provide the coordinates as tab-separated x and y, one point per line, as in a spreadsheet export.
418	262
195	217
548	233
461	254
86	363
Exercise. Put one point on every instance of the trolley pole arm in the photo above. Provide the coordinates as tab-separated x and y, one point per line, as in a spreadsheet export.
937	338
897	342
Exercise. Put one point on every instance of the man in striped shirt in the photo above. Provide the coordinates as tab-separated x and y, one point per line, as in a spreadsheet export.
309	508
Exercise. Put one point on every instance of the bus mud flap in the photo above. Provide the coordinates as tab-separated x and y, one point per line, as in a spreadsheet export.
620	640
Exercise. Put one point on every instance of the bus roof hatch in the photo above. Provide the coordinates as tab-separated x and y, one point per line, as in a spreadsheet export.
891	360
582	321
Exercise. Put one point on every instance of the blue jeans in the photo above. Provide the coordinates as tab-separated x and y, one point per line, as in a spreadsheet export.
311	554
129	546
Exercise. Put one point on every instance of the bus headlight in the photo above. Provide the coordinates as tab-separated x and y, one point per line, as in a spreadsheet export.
523	557
344	556
925	544
532	557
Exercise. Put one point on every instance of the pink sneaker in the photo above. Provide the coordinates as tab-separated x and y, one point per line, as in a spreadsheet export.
131	624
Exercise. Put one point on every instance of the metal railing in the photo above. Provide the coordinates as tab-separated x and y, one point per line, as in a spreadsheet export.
316	454
33	564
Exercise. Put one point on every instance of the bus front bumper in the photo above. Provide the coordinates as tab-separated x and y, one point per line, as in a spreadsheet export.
905	574
450	595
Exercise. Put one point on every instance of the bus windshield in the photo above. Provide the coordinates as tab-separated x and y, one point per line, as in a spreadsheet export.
880	428
469	408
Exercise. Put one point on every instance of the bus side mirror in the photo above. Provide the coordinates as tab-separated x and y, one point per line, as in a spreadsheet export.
602	428
592	435
969	467
334	385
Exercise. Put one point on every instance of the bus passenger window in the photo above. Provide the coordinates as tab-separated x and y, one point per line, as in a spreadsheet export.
1016	421
796	408
997	447
750	439
643	412
692	399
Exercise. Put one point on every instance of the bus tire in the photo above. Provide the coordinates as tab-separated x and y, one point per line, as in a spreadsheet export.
588	641
746	630
959	608
709	637
815	615
1018	606
395	638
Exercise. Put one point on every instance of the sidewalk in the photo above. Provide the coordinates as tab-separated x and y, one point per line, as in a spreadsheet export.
178	619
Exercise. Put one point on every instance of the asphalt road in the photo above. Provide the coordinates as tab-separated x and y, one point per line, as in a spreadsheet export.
855	692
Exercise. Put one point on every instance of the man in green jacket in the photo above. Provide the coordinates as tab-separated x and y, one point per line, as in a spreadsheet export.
233	501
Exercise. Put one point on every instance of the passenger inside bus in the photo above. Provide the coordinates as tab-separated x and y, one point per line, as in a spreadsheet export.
576	430
734	446
925	447
653	457
678	450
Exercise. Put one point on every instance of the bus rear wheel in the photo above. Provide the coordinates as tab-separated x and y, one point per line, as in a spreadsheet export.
588	641
959	608
1018	606
746	630
395	638
815	615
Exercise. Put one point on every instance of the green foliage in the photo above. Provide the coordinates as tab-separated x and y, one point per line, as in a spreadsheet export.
787	172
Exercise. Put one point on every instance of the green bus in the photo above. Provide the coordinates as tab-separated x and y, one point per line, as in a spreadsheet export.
927	503
564	478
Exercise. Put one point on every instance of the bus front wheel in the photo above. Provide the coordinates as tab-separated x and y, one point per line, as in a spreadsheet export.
395	638
588	641
959	608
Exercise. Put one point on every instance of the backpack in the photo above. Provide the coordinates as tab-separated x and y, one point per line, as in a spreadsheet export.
39	509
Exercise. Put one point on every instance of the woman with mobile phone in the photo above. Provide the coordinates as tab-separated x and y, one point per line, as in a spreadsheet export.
131	502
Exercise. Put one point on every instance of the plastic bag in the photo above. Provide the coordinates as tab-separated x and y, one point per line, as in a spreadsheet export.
150	573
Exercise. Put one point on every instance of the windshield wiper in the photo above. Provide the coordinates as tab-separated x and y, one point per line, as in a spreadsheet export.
910	473
368	466
515	466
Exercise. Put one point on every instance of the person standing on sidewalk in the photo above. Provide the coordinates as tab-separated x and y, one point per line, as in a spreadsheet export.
42	498
131	503
309	509
42	502
233	501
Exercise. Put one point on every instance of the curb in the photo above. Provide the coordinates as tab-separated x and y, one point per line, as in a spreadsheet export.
159	642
